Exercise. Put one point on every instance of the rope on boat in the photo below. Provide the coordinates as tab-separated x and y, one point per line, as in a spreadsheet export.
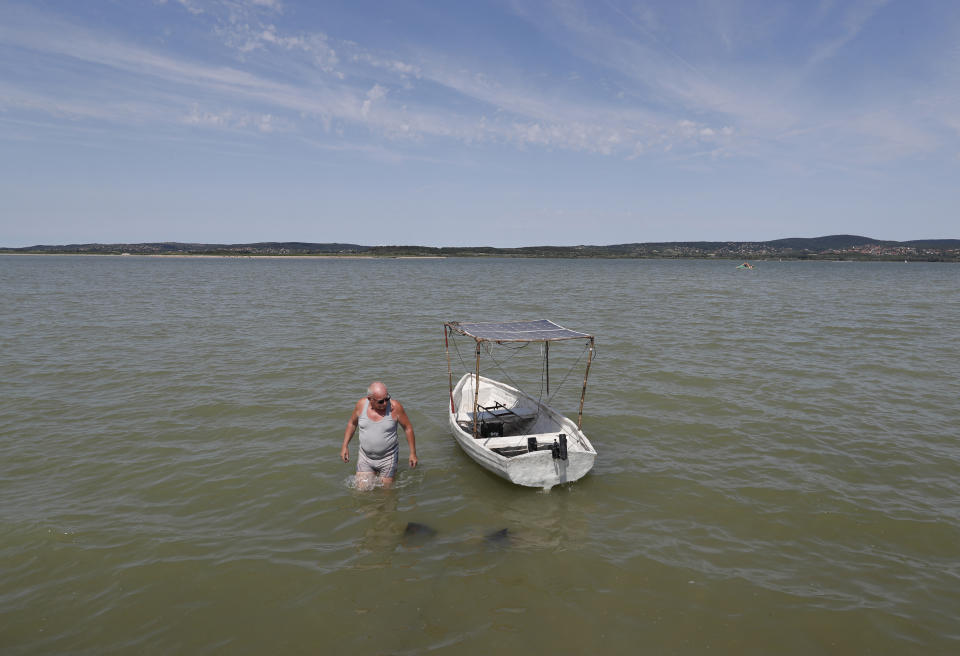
488	347
489	350
550	398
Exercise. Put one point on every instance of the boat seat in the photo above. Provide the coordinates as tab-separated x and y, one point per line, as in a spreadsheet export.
499	426
500	414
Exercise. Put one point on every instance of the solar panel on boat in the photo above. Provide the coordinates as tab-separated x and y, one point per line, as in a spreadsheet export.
540	330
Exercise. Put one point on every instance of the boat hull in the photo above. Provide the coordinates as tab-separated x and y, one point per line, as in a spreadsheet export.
523	418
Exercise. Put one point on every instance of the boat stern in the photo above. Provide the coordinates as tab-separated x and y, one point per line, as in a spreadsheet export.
542	469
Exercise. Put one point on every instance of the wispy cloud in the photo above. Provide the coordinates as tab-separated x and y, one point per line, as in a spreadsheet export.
671	96
764	108
500	113
759	97
852	19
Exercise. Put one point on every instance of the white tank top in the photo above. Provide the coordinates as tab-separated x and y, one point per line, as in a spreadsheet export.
378	439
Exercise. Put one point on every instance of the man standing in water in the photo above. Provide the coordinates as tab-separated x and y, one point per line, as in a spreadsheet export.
377	416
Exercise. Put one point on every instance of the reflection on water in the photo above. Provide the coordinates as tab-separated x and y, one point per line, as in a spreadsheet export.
383	530
777	465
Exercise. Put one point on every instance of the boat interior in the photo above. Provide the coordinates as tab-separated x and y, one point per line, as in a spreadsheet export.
497	420
510	425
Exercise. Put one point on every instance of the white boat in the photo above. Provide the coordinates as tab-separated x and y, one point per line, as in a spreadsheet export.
506	430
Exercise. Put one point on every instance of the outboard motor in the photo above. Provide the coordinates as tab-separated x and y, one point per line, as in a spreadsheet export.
531	444
555	450
563	446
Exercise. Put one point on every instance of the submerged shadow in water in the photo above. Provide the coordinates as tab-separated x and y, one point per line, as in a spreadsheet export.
499	538
416	534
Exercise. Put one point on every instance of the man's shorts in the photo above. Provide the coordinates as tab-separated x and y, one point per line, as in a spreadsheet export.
385	467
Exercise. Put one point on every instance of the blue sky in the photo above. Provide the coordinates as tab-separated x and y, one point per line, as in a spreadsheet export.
503	123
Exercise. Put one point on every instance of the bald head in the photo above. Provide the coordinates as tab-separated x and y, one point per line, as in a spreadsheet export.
377	390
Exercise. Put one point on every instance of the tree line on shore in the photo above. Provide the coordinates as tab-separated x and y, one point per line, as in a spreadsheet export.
834	247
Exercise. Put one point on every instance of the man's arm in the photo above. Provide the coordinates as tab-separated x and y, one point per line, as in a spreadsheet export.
407	427
351	429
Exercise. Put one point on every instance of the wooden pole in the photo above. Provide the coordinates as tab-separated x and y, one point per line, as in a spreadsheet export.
546	357
476	395
583	392
446	344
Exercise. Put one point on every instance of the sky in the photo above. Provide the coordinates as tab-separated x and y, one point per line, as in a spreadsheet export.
491	122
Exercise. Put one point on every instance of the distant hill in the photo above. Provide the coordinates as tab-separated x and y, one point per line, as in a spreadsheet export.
834	242
830	247
933	243
822	243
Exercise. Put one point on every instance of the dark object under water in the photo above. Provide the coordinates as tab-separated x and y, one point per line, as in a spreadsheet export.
499	538
418	531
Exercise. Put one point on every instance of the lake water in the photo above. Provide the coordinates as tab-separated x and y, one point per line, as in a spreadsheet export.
778	468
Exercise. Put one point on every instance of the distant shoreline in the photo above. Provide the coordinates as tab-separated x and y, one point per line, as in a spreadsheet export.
832	247
688	258
240	257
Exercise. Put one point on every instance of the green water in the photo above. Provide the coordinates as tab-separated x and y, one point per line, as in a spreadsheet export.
778	468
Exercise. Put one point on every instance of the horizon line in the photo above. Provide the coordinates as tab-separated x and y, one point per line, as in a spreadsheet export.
356	244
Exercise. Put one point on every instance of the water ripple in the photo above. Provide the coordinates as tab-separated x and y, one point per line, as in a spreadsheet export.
776	451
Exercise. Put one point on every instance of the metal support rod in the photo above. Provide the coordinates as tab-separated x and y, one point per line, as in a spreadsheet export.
583	392
546	358
476	395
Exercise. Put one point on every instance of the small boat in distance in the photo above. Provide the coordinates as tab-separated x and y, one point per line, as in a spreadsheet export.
508	431
745	265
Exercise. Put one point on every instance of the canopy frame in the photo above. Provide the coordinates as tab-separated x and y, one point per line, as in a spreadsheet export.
500	332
